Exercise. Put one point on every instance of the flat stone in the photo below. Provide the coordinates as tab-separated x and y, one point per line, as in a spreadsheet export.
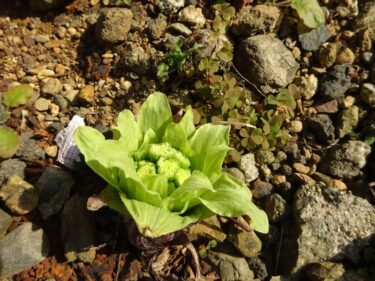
327	106
247	243
345	160
54	187
231	266
251	20
42	104
18	195
113	25
300	168
21	249
311	40
209	228
5	222
52	86
341	228
248	166
78	230
266	62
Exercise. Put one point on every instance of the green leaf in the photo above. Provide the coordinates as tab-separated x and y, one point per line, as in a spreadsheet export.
212	166
154	221
310	12
127	130
176	136
187	122
110	160
157	183
186	196
127	2
233	199
155	113
9	142
17	95
204	138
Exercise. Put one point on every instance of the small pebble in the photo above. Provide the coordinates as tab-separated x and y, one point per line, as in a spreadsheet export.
300	168
42	104
340	185
51	151
278	179
86	95
345	56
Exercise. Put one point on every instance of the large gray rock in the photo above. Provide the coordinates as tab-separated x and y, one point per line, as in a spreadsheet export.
22	248
54	187
266	62
113	25
45	5
254	20
345	160
78	230
330	225
29	148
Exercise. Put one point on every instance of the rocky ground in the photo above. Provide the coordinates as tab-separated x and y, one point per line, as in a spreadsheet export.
312	171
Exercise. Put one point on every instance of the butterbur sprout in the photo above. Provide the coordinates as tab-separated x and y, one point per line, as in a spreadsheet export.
166	175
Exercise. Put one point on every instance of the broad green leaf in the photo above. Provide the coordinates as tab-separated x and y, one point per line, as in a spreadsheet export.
110	160
17	95
154	222
212	166
310	12
127	130
187	121
9	142
155	113
232	198
204	138
186	196
176	136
